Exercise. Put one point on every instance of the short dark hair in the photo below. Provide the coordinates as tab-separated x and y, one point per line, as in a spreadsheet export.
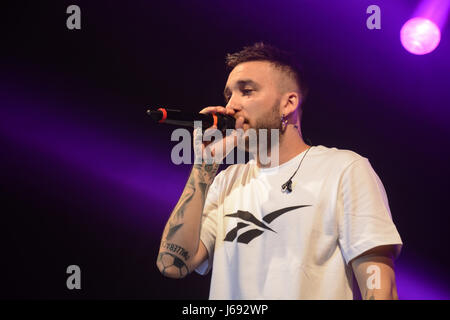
284	60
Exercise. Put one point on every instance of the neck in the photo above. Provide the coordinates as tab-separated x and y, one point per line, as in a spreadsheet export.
290	145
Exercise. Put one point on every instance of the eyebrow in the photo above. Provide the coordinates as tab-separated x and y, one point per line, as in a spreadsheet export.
240	83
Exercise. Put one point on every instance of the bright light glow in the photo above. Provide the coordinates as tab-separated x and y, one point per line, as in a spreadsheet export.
420	35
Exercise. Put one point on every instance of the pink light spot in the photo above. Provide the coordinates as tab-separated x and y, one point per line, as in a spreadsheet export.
420	35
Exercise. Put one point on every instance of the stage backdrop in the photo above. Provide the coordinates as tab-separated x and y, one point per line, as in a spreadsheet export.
87	178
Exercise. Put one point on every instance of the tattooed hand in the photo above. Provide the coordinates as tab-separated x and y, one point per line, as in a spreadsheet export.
208	150
184	225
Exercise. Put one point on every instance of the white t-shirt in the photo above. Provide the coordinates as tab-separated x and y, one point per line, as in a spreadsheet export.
264	243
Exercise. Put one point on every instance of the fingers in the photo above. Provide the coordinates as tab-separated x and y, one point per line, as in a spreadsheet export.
210	132
214	109
240	122
211	142
218	109
230	112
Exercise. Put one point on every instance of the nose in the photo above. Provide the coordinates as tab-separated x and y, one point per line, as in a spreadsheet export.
234	105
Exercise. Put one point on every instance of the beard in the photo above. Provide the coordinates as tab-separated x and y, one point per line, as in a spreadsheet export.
265	122
270	120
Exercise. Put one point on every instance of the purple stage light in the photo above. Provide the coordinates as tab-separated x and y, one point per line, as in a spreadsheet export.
420	35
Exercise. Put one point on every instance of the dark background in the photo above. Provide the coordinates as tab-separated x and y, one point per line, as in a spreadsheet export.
86	177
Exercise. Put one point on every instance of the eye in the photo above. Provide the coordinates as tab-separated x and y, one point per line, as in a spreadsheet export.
245	92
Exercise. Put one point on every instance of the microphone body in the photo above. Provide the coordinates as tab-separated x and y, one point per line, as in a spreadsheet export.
186	119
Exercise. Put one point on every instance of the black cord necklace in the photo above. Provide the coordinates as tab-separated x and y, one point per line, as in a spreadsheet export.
287	186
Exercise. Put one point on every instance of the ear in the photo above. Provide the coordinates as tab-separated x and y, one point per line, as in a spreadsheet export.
291	101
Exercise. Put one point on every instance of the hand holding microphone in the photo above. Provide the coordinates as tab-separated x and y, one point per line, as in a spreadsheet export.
227	143
222	121
212	118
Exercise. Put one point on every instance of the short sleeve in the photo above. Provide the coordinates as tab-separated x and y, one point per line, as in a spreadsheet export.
364	220
209	225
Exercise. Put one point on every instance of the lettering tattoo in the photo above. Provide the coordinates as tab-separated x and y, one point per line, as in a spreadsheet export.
176	249
170	263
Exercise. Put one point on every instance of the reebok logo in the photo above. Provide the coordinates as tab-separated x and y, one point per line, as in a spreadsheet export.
251	234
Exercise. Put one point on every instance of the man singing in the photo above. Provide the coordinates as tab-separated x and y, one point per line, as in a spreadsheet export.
297	229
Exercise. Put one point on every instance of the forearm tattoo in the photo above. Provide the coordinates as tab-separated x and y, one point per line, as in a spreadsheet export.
170	263
176	249
206	172
187	195
173	228
201	177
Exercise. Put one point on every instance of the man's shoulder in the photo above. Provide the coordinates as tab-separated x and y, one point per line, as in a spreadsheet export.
323	156
341	157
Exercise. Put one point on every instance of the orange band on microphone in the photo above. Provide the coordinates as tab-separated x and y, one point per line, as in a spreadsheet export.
164	115
215	120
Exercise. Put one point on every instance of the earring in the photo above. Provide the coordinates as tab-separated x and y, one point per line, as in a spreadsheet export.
283	123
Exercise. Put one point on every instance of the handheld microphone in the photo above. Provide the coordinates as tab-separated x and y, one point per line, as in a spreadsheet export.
186	119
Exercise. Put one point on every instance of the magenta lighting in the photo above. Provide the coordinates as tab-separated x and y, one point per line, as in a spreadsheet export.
420	35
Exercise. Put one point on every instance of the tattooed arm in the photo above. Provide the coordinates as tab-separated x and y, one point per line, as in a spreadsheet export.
181	250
